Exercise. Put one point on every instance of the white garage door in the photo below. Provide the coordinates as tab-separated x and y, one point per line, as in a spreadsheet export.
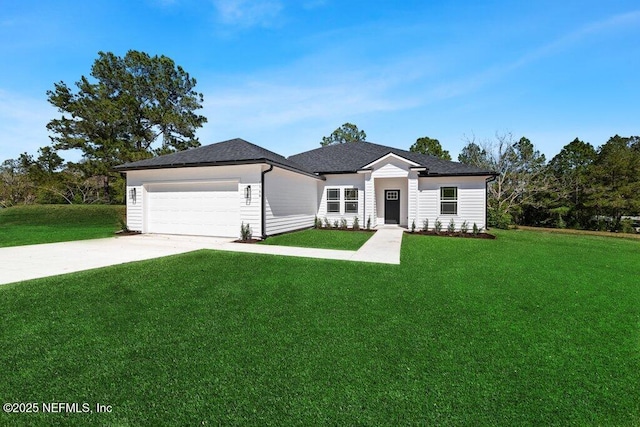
205	209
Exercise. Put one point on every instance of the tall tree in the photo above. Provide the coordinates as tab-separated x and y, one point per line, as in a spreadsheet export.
521	175
615	179
473	154
348	132
130	103
569	169
426	145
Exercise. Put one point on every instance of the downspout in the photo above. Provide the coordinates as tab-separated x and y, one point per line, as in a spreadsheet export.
486	200
263	198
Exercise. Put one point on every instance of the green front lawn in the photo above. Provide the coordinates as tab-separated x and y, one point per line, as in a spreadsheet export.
528	329
325	239
33	224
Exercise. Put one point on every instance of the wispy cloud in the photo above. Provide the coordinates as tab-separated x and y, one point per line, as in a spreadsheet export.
249	13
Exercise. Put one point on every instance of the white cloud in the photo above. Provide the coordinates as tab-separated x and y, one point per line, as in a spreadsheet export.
248	13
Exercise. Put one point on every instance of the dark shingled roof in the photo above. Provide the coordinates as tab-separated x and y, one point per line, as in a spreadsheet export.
231	152
336	158
352	156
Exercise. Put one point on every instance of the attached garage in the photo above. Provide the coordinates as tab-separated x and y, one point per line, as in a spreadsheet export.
201	208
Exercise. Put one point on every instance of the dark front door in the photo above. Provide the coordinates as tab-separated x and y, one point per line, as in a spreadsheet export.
392	206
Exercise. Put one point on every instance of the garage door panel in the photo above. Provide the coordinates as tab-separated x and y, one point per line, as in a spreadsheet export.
209	209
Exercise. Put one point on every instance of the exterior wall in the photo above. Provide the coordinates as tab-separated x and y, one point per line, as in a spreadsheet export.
471	201
342	181
382	184
244	175
291	201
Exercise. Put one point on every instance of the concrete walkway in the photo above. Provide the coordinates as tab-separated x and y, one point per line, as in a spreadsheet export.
20	263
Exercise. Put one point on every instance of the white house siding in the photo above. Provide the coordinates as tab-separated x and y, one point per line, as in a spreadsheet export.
243	175
291	201
471	201
135	213
342	181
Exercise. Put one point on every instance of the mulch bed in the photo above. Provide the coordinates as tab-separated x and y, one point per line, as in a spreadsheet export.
247	241
364	230
454	234
127	233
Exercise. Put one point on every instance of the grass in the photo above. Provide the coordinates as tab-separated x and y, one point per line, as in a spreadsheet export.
529	329
33	224
325	239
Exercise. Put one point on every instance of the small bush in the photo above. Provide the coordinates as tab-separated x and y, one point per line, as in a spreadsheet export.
452	226
369	223
343	223
413	226
425	224
123	224
476	230
626	226
356	223
464	228
336	224
245	232
327	224
438	225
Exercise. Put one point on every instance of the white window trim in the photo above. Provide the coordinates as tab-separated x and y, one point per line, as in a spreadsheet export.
338	200
356	200
449	200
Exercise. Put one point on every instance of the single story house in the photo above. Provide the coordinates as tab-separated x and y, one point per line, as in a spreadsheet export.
211	190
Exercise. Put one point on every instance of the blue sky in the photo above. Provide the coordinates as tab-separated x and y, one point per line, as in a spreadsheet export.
282	73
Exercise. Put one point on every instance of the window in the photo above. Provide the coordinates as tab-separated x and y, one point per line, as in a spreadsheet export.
333	200
351	200
448	200
392	194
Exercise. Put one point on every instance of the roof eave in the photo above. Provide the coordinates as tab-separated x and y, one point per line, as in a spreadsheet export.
220	163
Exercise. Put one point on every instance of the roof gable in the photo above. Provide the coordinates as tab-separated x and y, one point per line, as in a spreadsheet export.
388	157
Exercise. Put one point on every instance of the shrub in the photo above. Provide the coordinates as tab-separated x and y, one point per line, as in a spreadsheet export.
438	225
452	226
315	222
343	223
464	228
123	224
626	226
476	230
327	224
245	232
413	226
425	224
336	224
356	223
369	223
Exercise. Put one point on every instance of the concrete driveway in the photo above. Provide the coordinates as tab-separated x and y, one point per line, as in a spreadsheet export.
20	263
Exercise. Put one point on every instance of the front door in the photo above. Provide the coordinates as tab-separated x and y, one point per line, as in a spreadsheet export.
392	206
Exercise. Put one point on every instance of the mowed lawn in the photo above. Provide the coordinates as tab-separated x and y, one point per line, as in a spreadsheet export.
33	224
325	239
528	329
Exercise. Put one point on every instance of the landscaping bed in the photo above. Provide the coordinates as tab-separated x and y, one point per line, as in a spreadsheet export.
453	234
